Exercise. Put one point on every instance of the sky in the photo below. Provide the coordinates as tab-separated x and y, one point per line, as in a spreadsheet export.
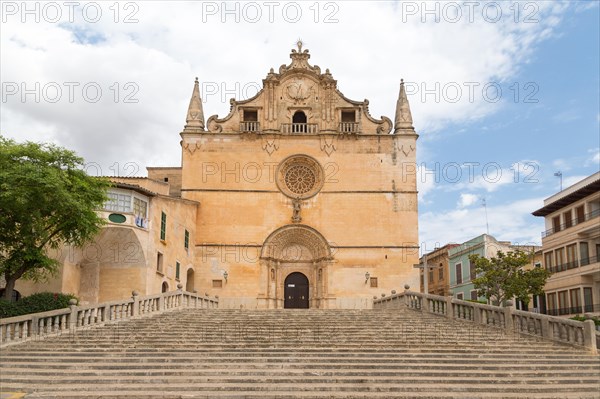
503	94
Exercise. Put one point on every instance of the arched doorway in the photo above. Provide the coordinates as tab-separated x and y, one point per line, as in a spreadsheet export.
295	252
189	281
165	286
296	291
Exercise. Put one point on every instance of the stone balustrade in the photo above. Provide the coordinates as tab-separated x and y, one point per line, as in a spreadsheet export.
299	128
512	321
39	325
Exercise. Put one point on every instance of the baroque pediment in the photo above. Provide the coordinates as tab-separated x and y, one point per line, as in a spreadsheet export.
299	99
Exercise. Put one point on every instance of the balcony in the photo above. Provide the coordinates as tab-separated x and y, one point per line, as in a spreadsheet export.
299	128
249	127
572	265
563	267
573	222
592	308
348	128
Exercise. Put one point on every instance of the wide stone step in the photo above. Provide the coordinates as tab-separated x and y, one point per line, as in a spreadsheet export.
297	354
365	386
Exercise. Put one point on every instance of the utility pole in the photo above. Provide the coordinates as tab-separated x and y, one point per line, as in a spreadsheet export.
487	226
559	175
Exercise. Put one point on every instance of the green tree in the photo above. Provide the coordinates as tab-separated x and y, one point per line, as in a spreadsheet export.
502	277
46	201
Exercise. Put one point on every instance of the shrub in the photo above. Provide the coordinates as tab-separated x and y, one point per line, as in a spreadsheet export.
41	302
477	301
582	318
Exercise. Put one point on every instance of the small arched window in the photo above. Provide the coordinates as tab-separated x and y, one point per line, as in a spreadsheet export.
299	117
165	286
299	122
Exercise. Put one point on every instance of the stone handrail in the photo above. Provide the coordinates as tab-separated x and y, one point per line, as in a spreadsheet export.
18	329
512	321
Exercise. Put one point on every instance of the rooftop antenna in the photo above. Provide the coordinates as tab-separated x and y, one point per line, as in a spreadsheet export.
559	175
487	226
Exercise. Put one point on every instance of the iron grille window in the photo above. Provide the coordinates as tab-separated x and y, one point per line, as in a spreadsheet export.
163	226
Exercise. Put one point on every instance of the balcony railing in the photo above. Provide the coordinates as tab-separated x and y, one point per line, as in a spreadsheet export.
588	261
249	127
299	128
574	222
574	310
563	267
348	127
572	265
565	311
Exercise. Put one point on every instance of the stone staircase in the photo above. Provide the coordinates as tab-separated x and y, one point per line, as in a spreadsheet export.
218	353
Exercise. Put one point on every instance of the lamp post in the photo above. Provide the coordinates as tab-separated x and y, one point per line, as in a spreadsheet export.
367	276
225	275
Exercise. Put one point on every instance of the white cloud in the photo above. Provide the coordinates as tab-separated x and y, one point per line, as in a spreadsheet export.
595	157
173	42
568	181
467	200
510	221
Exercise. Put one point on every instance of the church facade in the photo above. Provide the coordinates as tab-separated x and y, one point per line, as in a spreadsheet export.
298	198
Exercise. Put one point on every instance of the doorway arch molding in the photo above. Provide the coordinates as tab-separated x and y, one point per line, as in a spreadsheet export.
277	245
295	248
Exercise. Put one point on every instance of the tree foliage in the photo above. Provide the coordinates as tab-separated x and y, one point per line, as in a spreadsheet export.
46	200
502	277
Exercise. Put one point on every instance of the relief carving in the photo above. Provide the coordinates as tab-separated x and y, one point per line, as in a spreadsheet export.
299	91
328	144
270	144
192	147
405	149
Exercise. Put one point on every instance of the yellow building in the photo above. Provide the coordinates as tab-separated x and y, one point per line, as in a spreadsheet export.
297	198
438	275
571	246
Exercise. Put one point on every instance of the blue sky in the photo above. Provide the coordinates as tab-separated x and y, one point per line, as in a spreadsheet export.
144	58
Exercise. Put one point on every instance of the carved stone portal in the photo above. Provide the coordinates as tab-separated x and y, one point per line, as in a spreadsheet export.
295	249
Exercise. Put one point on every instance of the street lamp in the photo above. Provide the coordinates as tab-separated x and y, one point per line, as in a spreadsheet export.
367	276
225	275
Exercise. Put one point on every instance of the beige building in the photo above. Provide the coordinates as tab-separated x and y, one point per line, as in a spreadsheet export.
571	246
438	277
297	198
146	246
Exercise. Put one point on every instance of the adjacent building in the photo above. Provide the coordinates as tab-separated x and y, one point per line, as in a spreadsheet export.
146	246
571	246
438	275
462	270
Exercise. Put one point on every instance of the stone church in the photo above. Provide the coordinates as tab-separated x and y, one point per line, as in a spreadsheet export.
298	198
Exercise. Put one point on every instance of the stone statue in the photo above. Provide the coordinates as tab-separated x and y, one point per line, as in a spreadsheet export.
296	218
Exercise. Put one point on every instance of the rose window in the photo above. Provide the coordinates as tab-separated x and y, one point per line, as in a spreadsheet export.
300	176
300	179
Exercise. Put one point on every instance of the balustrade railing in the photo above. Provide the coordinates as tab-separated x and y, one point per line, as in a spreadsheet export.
249	127
513	321
39	325
348	127
299	128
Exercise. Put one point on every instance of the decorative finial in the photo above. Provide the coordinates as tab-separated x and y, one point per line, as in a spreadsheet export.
403	115
299	44
195	115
